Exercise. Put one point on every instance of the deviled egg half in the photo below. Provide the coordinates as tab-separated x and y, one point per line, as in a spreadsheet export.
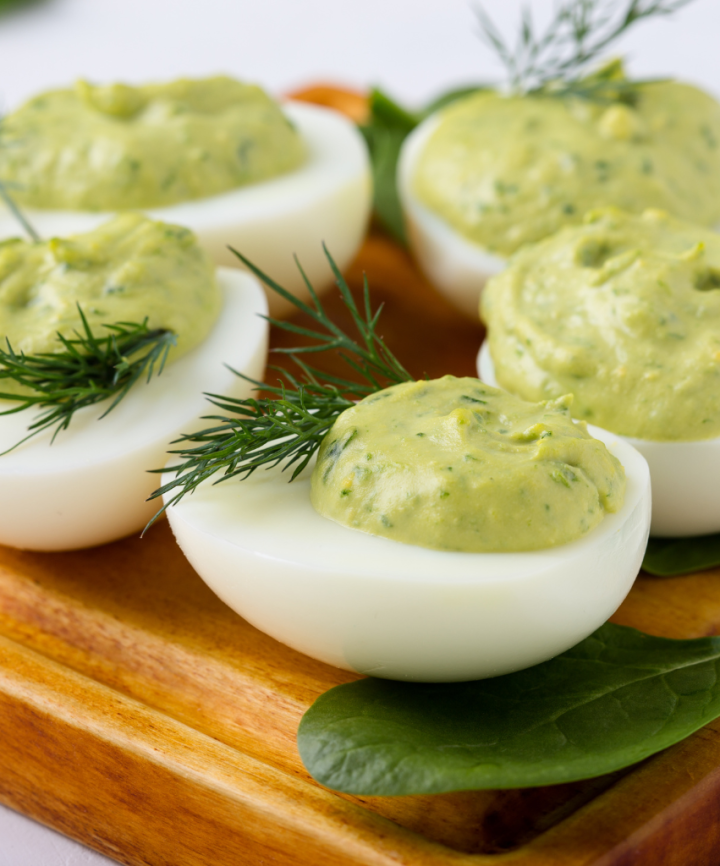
490	173
448	531
624	313
215	155
87	484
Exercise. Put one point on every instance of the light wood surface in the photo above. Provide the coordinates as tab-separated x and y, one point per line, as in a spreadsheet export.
141	716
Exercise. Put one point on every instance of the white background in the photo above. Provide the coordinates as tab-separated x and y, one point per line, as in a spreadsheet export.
413	48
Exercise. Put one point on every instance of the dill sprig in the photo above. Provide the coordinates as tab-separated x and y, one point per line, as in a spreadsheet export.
552	61
12	206
288	427
88	370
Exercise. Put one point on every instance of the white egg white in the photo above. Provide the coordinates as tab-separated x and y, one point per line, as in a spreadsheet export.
393	610
90	485
685	488
458	267
327	199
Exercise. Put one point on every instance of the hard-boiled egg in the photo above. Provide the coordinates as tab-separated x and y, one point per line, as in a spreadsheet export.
458	267
498	172
393	610
685	490
89	486
327	199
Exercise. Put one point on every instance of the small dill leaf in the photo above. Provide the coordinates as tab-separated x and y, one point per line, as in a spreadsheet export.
88	370
553	61
287	427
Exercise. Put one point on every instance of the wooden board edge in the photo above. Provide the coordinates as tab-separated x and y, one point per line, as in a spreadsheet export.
145	788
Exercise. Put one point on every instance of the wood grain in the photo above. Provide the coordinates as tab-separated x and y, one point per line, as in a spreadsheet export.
141	716
122	665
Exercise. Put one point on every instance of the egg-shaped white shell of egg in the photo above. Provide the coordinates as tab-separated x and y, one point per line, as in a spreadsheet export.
91	484
388	609
326	200
455	265
685	476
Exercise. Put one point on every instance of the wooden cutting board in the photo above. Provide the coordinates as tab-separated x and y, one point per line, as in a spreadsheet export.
139	715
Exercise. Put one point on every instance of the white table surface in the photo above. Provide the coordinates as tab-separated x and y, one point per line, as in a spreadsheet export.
413	48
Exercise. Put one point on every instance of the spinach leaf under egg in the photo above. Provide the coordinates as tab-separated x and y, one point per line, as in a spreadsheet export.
670	556
612	700
386	129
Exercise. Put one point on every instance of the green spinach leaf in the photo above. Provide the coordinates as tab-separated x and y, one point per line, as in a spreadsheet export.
614	699
385	131
384	146
668	556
